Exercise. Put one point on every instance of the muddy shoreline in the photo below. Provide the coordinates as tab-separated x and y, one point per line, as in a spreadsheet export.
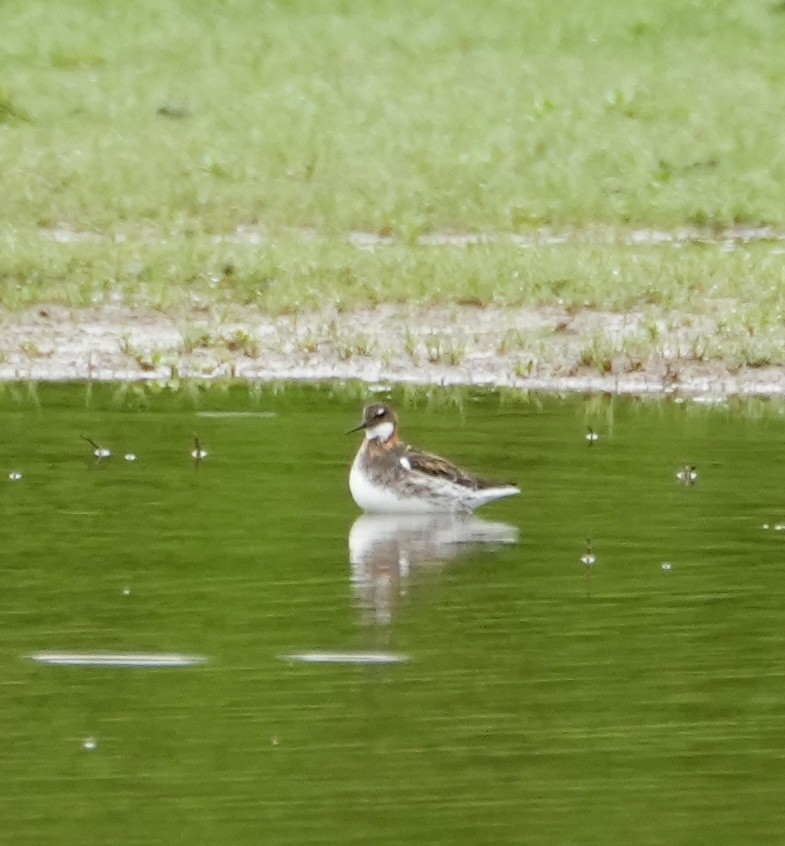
543	349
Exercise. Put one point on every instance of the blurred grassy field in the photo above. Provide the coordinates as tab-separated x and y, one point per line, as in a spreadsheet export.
142	143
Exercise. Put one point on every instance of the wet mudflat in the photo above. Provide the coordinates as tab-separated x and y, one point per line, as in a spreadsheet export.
599	659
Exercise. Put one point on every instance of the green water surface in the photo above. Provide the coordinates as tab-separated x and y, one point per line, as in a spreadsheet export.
640	700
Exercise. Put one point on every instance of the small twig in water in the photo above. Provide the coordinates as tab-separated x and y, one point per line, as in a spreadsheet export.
198	452
98	451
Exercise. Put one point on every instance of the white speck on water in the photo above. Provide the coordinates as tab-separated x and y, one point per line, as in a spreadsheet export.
14	476
765	525
129	456
126	591
346	657
588	559
199	454
779	527
591	436
688	474
89	743
119	659
666	565
102	452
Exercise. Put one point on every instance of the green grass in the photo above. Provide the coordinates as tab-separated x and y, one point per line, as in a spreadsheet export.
156	131
197	117
291	273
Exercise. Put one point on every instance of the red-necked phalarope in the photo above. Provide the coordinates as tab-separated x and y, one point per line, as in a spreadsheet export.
389	477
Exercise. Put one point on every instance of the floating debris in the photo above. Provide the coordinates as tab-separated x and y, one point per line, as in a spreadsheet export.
346	657
591	436
688	475
198	452
710	399
588	559
240	414
90	743
98	451
117	659
666	565
14	476
126	591
130	456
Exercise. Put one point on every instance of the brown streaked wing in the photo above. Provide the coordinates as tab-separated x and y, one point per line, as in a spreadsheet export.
432	465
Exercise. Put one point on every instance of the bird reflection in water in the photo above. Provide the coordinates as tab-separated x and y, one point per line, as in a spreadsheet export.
385	548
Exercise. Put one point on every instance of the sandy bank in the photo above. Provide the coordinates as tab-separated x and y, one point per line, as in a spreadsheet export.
536	349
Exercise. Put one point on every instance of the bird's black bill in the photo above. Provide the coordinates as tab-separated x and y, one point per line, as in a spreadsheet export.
356	428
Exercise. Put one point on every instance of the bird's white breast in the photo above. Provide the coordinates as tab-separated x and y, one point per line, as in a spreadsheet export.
379	499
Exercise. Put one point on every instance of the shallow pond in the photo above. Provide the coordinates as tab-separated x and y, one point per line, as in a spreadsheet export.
355	680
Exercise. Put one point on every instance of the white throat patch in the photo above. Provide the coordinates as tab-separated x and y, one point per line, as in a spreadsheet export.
381	432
